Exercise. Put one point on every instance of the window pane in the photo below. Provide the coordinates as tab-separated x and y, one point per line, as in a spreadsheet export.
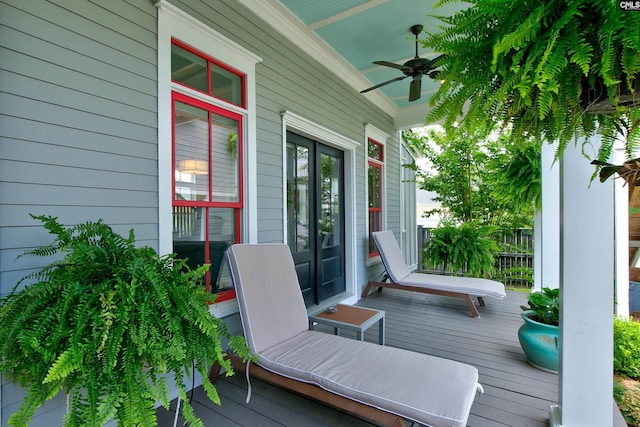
375	150
374	186
222	225
222	234
189	231
374	225
192	241
298	198
191	166
224	155
226	85
188	69
188	223
330	200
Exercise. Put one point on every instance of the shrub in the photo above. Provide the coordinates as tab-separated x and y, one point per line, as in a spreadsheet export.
630	407
518	277
626	348
468	248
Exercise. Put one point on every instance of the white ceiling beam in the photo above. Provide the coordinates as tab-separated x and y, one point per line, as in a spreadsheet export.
346	14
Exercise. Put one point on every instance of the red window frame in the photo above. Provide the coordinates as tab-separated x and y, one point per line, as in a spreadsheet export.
238	205
210	60
378	163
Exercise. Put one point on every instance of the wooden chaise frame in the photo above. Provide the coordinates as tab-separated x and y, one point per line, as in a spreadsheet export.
361	410
392	285
398	276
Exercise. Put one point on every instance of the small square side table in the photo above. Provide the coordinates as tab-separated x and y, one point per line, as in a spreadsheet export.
352	318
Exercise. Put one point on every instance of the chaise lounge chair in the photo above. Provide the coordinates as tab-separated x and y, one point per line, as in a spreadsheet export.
382	384
452	286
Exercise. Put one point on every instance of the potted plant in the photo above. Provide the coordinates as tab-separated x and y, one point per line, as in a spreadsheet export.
548	70
538	335
110	324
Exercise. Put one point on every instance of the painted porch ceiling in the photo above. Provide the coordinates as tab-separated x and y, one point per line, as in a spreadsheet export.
358	32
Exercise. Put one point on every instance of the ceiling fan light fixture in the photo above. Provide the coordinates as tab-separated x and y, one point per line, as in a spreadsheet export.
414	90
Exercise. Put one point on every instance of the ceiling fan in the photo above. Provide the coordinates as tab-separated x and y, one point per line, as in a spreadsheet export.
416	68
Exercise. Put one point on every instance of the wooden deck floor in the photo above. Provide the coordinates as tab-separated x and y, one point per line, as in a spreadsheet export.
516	394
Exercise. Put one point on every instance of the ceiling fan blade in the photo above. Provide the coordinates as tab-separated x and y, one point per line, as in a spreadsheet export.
438	58
414	89
384	83
390	64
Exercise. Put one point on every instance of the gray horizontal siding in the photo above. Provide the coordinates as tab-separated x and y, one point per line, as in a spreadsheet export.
93	29
52	134
78	131
35	194
68	116
18	215
80	97
58	75
67	175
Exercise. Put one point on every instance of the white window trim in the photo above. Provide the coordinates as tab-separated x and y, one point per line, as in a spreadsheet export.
305	127
380	137
408	211
175	23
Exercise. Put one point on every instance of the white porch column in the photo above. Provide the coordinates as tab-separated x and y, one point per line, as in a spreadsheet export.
586	310
622	238
537	250
547	251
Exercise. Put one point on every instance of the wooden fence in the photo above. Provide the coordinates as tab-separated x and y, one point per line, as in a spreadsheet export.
514	264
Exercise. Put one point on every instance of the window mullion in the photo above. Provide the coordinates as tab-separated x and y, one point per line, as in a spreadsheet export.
207	252
210	154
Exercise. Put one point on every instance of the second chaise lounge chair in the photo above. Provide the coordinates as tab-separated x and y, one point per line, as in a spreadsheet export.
383	384
453	286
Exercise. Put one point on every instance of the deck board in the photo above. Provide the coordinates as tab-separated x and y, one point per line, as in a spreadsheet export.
516	394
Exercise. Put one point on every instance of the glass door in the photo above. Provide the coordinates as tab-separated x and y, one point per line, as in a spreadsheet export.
315	217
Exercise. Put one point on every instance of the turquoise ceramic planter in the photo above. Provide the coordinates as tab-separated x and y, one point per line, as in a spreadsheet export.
539	343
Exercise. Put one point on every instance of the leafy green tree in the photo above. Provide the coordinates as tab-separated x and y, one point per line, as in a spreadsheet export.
487	180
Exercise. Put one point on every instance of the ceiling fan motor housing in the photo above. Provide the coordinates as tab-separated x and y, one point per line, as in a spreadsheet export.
415	67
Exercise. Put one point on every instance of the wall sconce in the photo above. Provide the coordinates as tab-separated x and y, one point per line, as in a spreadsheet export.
193	167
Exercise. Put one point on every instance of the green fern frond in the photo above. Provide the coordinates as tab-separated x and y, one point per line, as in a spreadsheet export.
109	322
547	63
519	37
68	362
34	397
581	54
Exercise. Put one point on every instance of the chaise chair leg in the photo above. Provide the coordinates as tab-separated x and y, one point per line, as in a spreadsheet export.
214	373
472	306
365	291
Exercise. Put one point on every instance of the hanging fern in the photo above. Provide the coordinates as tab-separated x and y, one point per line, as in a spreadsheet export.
537	67
108	323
